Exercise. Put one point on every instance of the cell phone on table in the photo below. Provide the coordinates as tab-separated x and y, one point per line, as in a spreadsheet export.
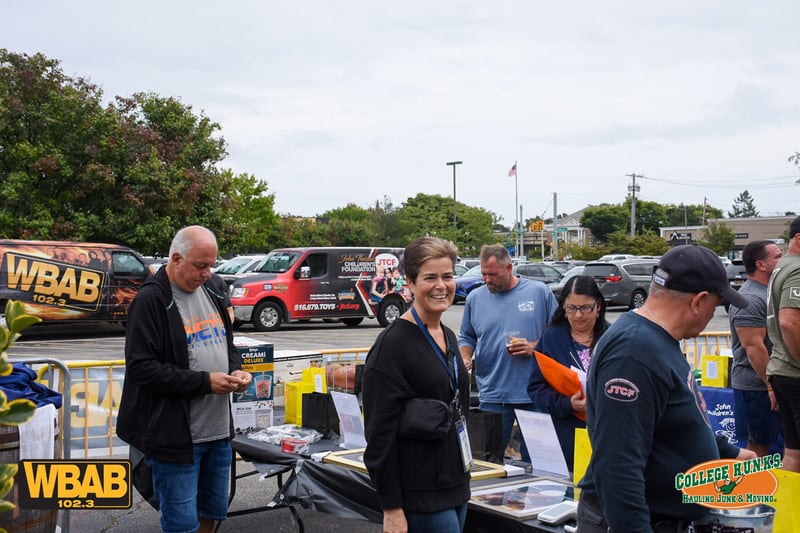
559	513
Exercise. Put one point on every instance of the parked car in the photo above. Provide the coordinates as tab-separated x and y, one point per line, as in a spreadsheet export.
561	268
154	264
624	282
736	273
538	271
558	286
469	262
615	257
568	265
466	282
239	265
460	270
472	278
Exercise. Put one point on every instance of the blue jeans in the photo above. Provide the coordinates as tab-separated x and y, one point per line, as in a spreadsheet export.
188	492
507	410
448	521
760	424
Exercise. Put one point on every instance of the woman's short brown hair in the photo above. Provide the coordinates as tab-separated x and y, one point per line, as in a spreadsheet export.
423	248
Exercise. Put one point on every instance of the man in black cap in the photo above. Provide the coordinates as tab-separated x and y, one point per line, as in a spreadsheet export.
783	327
646	419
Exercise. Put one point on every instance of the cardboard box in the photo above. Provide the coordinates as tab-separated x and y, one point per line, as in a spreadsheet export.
253	408
716	370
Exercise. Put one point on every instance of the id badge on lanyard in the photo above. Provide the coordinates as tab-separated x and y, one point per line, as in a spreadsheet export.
463	443
461	422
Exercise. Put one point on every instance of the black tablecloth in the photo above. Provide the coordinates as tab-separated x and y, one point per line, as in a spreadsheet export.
339	491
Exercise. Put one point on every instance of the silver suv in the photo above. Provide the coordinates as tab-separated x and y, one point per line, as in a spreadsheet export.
537	271
624	282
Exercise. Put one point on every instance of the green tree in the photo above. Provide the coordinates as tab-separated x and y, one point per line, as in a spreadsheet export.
349	226
251	216
384	223
169	178
293	232
52	131
427	214
604	219
718	237
350	212
743	206
650	216
130	172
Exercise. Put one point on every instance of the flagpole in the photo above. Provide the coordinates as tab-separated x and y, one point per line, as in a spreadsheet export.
516	207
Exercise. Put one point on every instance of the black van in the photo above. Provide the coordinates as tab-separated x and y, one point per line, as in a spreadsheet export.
61	281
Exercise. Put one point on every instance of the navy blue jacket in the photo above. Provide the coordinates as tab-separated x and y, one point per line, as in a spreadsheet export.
557	343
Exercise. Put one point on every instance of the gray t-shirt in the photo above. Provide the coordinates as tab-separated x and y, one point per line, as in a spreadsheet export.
208	351
743	376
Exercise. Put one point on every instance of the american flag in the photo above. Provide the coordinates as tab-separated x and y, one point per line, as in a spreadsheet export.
513	171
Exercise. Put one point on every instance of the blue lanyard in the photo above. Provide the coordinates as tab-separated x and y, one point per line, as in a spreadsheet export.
453	378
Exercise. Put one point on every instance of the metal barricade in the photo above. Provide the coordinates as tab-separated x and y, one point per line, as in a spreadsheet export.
707	343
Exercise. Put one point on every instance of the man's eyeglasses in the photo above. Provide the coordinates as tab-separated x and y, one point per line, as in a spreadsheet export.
572	309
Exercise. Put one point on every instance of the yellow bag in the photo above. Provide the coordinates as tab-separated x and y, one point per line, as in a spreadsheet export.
787	512
583	452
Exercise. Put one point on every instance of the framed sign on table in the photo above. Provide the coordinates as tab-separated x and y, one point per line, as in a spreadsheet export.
354	459
521	500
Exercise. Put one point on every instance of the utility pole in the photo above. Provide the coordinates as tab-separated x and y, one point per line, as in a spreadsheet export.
633	189
704	210
555	226
685	225
453	164
517	208
521	236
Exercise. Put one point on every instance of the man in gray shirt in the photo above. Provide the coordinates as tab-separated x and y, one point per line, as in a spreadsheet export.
755	407
180	368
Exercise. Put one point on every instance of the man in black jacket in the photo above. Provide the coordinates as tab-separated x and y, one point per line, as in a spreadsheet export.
180	367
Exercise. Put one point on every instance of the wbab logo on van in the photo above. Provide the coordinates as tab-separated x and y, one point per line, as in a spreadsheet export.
74	484
47	282
730	483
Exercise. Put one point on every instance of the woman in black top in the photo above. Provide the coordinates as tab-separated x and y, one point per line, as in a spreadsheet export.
422	483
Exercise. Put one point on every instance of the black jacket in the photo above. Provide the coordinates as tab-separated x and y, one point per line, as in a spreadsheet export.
418	475
154	409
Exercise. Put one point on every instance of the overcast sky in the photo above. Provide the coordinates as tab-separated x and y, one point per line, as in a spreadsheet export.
332	102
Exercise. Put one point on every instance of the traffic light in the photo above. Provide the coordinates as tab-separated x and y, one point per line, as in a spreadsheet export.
537	225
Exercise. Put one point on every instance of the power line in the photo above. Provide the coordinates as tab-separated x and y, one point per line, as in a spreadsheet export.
749	183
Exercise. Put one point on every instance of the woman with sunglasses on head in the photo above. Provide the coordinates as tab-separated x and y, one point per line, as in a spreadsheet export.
570	338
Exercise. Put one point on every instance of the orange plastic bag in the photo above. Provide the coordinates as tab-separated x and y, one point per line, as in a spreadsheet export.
564	380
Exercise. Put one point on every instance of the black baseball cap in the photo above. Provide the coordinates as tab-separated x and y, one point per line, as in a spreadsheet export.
692	268
794	228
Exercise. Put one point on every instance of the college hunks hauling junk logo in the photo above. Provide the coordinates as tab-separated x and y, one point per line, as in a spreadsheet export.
730	483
